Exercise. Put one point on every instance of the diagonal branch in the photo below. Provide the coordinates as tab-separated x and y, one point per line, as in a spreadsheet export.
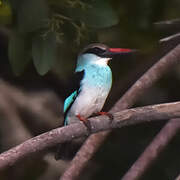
146	81
153	150
124	118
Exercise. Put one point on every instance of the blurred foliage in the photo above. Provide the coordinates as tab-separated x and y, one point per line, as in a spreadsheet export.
19	51
5	13
74	23
50	19
44	52
43	37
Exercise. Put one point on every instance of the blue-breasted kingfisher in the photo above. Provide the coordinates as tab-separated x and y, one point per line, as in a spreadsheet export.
94	81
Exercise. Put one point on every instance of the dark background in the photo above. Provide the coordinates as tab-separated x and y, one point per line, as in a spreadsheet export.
39	44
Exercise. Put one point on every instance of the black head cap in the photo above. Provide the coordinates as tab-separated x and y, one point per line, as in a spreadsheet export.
96	48
102	50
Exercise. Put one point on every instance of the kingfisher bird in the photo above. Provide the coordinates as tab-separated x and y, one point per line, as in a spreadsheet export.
93	83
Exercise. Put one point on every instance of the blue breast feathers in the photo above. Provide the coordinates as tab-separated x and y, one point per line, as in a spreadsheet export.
95	75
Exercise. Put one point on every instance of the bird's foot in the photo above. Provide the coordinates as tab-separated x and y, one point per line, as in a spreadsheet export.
86	123
109	115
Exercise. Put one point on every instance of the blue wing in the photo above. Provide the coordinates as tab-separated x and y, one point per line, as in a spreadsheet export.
69	100
74	93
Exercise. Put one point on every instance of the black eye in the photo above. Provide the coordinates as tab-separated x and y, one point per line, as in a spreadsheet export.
98	51
95	50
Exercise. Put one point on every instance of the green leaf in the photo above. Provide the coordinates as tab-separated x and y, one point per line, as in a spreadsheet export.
32	15
19	51
5	13
44	52
99	14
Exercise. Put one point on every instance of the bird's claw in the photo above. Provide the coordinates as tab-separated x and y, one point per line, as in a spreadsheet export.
109	115
86	123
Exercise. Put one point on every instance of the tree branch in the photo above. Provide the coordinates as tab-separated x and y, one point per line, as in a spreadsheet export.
40	109
124	118
153	150
178	177
141	85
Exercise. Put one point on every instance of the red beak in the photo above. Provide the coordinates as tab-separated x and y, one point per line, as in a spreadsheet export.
111	52
120	50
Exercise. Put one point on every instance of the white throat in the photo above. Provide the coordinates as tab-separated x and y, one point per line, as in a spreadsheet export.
102	61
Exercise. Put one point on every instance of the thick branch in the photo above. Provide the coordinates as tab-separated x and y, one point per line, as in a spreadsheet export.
147	80
121	119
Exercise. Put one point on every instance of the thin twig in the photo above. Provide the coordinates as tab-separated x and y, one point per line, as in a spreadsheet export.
146	81
170	38
124	118
168	22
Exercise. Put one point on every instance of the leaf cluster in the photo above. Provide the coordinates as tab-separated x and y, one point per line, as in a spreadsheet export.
39	25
